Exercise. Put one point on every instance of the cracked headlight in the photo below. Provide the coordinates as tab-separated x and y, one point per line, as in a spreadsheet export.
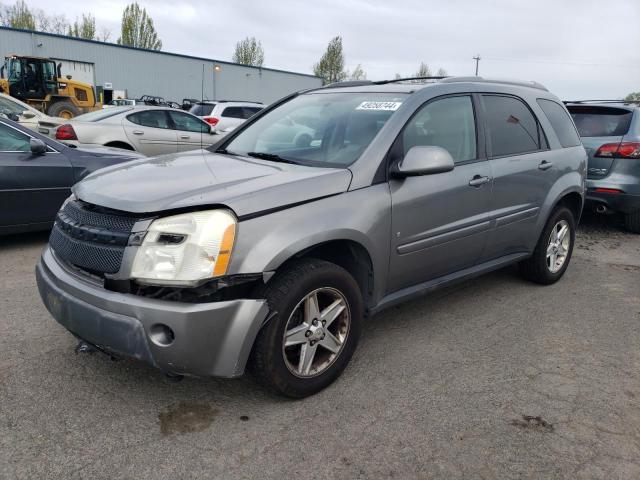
186	249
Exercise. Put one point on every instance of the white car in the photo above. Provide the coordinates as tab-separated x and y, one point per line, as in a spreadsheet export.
147	130
224	115
26	114
120	102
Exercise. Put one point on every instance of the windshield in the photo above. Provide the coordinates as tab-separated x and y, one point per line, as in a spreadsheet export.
101	114
319	129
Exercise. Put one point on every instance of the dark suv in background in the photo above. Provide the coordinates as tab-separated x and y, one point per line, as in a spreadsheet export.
610	132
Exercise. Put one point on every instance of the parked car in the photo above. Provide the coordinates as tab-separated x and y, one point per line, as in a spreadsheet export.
36	175
276	255
147	130
21	112
610	132
225	115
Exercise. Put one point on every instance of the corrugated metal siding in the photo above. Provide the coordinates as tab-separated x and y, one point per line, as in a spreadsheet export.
173	77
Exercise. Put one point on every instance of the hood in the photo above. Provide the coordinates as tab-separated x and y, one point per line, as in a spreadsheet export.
100	151
246	185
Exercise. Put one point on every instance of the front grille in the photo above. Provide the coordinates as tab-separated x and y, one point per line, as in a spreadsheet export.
90	238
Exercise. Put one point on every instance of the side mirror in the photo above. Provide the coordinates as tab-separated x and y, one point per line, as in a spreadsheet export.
38	147
28	114
423	161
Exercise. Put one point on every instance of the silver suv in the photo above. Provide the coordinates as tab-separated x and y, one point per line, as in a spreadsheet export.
225	115
274	246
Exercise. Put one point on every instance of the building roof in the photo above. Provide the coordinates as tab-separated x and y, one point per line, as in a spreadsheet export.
158	52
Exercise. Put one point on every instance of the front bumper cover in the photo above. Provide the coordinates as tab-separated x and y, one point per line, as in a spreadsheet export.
210	339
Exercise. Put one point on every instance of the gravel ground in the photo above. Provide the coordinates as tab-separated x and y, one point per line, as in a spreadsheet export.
494	378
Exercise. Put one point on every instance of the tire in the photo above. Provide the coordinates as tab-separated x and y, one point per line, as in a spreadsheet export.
536	268
64	109
632	221
276	366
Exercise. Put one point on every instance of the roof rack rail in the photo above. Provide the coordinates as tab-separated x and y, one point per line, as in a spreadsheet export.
348	83
601	101
406	79
443	79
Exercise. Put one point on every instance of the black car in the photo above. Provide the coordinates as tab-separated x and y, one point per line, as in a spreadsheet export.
36	175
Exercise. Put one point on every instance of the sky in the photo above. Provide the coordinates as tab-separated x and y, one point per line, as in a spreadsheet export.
579	49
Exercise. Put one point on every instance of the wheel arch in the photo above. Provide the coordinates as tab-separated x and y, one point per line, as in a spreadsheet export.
120	144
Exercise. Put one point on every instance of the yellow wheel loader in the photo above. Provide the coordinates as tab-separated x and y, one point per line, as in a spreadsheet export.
37	81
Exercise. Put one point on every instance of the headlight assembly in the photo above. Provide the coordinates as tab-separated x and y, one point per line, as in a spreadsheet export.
186	249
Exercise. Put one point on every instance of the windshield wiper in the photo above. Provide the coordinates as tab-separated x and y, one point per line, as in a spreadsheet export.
272	157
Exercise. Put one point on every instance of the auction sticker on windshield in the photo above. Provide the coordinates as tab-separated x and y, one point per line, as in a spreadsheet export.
389	106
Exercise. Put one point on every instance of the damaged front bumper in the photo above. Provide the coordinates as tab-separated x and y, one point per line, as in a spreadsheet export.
206	339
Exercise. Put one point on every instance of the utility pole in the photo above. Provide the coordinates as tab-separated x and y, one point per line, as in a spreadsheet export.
477	59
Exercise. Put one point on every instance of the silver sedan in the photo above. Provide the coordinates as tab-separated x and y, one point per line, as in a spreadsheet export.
147	130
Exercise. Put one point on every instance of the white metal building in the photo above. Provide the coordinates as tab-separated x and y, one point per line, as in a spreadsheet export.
139	72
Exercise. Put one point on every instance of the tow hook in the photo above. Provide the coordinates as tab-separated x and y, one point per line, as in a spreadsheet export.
84	347
173	377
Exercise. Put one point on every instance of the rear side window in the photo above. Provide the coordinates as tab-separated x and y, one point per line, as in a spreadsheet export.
150	118
448	123
234	112
561	122
513	129
600	121
202	109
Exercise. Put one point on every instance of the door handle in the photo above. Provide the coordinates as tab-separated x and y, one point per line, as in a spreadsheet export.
185	137
545	165
478	181
138	132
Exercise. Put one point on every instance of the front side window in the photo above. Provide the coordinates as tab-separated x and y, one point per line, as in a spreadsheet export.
561	123
448	123
12	140
593	121
150	118
187	123
320	129
513	130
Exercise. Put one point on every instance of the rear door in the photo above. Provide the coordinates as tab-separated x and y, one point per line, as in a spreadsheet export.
598	126
523	172
150	132
440	222
32	187
192	132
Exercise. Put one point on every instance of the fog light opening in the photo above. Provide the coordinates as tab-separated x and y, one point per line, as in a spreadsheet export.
161	335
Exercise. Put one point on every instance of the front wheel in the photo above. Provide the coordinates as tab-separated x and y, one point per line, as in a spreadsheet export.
63	109
317	314
552	254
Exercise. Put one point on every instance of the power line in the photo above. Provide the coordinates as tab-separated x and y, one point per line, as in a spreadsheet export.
559	62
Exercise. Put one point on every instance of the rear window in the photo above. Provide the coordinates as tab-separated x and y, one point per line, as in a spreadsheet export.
234	112
202	109
594	121
561	123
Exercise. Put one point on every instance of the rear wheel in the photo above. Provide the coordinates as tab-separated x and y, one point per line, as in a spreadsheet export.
632	221
309	341
552	254
63	109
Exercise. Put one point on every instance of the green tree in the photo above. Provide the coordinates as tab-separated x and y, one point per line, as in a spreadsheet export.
249	52
634	96
331	65
357	74
137	29
51	23
18	15
84	28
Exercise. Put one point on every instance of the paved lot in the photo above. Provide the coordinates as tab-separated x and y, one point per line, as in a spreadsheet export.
495	378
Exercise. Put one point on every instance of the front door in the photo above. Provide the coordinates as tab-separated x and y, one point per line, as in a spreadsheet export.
440	221
150	132
32	187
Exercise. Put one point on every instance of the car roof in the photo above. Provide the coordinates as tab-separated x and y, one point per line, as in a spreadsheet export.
414	84
215	102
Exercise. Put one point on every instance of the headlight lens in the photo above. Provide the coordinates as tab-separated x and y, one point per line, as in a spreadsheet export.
186	249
